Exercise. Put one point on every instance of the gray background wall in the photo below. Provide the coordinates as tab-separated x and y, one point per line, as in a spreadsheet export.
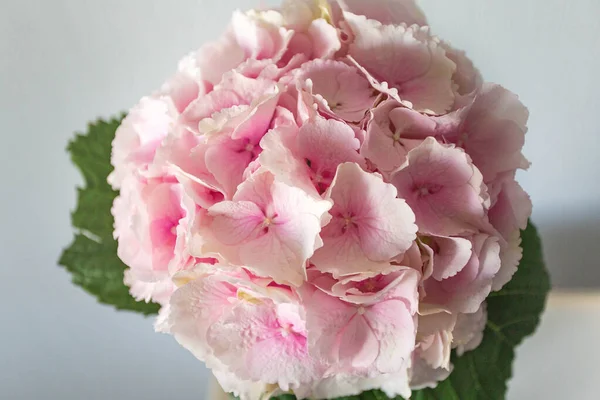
64	62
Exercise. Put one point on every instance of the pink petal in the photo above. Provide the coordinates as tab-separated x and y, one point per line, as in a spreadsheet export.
234	89
493	132
194	307
328	316
258	119
325	39
467	78
270	227
139	136
387	11
341	254
511	254
323	145
227	160
370	225
182	155
267	351
468	333
432	322
509	216
206	106
436	349
450	255
405	289
387	131
234	223
466	291
435	338
150	227
226	50
259	37
444	189
358	345
512	208
185	157
394	327
346	93
257	189
277	156
186	85
409	59
349	330
423	376
359	289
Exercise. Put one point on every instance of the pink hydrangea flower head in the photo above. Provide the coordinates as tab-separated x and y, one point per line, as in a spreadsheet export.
322	199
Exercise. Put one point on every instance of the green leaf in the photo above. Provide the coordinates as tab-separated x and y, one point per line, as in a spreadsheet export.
92	257
513	314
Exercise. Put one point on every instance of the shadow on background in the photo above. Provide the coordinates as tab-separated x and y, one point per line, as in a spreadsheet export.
571	249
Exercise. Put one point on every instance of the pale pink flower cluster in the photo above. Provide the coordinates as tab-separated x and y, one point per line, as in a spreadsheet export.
322	200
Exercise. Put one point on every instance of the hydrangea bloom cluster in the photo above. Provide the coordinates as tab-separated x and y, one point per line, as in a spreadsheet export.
322	200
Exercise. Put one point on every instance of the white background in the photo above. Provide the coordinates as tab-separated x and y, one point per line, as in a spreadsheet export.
64	62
